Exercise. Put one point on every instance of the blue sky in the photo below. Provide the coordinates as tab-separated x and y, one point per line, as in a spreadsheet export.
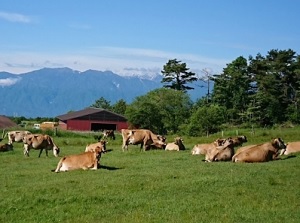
139	37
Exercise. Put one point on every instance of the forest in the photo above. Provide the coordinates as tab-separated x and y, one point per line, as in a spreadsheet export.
257	91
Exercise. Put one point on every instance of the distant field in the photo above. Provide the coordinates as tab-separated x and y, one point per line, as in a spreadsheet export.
153	186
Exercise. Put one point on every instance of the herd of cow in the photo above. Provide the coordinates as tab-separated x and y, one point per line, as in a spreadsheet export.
219	150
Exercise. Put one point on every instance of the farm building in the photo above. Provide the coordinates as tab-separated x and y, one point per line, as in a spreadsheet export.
5	122
92	119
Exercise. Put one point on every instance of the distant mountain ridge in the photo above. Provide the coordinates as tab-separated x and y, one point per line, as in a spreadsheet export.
50	92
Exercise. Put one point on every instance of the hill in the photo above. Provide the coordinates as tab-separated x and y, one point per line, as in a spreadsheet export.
50	92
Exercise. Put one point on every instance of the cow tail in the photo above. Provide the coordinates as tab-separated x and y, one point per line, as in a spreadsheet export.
59	165
4	134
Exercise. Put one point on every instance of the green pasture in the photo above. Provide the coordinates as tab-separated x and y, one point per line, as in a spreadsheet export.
153	186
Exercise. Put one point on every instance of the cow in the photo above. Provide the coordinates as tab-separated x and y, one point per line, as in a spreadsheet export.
86	160
291	147
144	137
243	148
40	142
239	140
176	145
16	136
6	147
260	153
201	149
221	153
93	146
109	134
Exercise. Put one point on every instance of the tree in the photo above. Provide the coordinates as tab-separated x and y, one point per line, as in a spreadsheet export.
276	85
232	88
144	114
177	75
119	107
102	103
161	110
206	120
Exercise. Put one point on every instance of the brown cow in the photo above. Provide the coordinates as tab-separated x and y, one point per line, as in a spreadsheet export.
139	136
39	142
109	134
86	160
260	153
177	145
243	148
221	153
93	146
201	149
16	136
6	147
291	147
239	140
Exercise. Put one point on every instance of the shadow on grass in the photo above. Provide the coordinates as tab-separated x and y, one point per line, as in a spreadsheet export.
288	157
108	167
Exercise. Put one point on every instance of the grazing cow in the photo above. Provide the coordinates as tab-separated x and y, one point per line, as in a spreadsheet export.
201	149
40	142
139	136
109	134
260	153
176	146
86	160
291	147
6	147
221	153
93	146
16	136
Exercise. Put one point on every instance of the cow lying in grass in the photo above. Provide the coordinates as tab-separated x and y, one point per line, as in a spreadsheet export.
6	147
86	160
201	149
221	153
291	147
260	153
93	146
176	145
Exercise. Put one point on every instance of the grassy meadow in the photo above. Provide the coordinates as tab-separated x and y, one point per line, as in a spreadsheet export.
153	186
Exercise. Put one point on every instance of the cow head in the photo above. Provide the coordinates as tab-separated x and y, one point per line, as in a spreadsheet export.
279	144
98	151
242	138
103	143
56	151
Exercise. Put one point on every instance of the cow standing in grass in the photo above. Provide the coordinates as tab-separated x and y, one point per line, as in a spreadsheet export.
40	142
143	137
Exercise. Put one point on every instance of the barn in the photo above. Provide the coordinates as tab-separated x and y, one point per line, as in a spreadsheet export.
92	119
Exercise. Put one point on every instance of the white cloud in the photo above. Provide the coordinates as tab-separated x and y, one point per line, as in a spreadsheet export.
123	61
15	17
8	81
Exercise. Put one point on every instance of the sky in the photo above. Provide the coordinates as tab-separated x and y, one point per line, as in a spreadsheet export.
134	37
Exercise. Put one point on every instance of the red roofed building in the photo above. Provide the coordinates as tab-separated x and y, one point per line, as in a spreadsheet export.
92	119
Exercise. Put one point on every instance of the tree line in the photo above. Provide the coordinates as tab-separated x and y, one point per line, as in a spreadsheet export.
258	91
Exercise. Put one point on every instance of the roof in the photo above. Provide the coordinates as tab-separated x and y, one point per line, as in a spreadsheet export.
5	122
84	112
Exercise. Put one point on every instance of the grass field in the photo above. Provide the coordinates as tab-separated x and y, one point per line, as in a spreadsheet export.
153	186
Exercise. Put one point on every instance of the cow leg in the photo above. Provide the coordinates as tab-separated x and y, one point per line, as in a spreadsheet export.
26	150
41	150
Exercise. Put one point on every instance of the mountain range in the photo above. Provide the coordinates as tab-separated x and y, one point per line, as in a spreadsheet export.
50	92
